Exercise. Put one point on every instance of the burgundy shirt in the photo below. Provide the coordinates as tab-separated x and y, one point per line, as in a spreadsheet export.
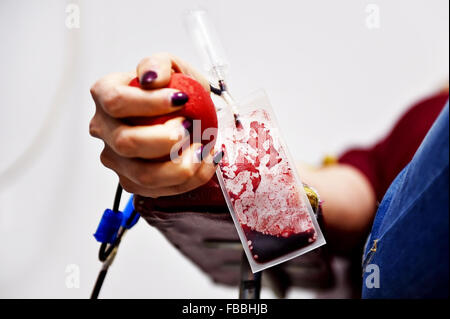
382	162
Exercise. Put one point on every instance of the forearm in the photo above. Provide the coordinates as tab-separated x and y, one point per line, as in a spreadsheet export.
349	202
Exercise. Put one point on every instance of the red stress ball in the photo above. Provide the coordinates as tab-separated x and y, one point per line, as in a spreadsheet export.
199	106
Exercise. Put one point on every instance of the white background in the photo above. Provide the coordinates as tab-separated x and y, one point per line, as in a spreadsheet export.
332	81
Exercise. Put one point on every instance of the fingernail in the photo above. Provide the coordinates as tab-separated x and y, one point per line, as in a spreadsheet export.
218	157
187	124
199	153
148	77
179	98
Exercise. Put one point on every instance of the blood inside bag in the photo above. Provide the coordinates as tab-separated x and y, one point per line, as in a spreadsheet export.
263	190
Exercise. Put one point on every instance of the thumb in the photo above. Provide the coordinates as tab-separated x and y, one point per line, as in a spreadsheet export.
154	71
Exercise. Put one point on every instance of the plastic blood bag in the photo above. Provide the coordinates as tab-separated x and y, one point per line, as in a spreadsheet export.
262	188
263	191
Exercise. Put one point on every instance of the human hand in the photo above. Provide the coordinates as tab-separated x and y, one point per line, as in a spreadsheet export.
134	152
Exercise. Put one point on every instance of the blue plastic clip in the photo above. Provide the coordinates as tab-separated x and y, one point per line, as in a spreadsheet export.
111	221
127	213
109	226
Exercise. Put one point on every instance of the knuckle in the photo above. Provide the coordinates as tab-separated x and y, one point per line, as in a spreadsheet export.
144	179
128	186
124	143
204	176
112	101
94	129
95	89
104	159
186	172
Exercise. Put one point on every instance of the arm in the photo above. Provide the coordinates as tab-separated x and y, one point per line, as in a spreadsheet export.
351	188
349	202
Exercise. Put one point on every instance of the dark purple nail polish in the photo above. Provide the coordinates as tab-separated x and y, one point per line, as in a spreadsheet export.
148	78
218	157
187	124
179	98
199	153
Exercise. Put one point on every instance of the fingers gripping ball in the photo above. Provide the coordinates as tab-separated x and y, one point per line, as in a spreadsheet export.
199	107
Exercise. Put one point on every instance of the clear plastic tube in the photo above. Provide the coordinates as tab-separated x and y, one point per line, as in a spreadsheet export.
207	43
